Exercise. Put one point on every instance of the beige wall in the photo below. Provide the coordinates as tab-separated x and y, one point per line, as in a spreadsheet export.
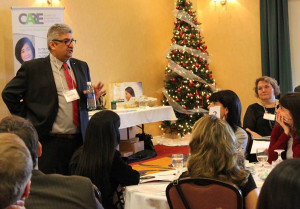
232	34
124	40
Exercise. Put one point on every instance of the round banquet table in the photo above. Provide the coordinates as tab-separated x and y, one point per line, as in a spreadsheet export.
150	194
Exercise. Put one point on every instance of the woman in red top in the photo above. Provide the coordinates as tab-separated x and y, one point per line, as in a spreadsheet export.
286	134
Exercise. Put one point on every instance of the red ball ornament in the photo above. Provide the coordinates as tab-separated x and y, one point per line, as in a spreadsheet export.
184	106
210	75
177	7
178	27
175	23
192	35
181	20
204	47
177	100
178	89
174	52
190	12
207	97
198	48
191	95
186	27
173	79
185	64
191	83
195	21
206	66
186	3
200	98
200	59
183	41
197	65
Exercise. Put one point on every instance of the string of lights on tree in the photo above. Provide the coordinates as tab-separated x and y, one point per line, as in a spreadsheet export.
188	80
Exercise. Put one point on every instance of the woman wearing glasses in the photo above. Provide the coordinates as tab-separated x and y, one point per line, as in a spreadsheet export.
286	134
259	119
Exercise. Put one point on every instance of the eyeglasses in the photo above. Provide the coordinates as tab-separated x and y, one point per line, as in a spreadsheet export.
67	42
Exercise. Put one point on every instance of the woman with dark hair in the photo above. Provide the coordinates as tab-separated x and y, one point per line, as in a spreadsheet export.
230	110
129	92
24	50
214	154
99	160
286	134
281	189
259	118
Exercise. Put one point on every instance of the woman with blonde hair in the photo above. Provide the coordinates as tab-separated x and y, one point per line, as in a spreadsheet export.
259	118
214	154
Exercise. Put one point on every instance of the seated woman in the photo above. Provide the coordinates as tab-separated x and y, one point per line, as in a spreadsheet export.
281	189
99	160
214	154
259	118
230	110
286	134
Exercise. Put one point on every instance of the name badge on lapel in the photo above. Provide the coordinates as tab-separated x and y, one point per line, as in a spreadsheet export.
71	95
269	116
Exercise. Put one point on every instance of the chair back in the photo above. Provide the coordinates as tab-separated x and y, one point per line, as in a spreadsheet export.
203	193
249	145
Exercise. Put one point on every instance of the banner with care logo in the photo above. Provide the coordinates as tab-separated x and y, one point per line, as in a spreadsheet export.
30	26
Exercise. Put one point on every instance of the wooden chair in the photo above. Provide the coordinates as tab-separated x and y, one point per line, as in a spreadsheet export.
203	193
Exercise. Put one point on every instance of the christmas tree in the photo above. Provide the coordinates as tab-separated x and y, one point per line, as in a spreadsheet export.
188	80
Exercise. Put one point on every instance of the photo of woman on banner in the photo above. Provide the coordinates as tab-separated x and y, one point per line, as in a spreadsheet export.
24	50
129	92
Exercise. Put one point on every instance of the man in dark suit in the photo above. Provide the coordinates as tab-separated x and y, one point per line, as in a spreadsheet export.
52	190
50	93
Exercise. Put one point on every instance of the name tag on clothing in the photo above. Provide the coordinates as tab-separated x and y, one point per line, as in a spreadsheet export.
215	111
71	95
269	116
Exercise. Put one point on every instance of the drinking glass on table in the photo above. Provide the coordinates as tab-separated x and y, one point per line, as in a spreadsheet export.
262	155
279	159
177	163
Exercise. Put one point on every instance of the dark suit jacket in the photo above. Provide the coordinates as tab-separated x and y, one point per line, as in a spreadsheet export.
35	85
58	191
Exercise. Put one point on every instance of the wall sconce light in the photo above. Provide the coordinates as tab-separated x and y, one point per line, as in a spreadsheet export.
49	2
222	2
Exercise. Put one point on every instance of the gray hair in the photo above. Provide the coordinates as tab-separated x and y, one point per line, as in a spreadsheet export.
55	31
15	168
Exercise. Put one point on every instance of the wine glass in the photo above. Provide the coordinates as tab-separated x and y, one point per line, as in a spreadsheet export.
261	155
279	159
177	163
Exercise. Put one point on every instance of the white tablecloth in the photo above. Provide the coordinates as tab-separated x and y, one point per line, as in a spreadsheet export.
136	116
152	195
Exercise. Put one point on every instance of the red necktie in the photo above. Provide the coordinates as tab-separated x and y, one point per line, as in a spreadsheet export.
72	84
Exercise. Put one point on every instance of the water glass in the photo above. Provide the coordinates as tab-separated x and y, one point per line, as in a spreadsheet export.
177	163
